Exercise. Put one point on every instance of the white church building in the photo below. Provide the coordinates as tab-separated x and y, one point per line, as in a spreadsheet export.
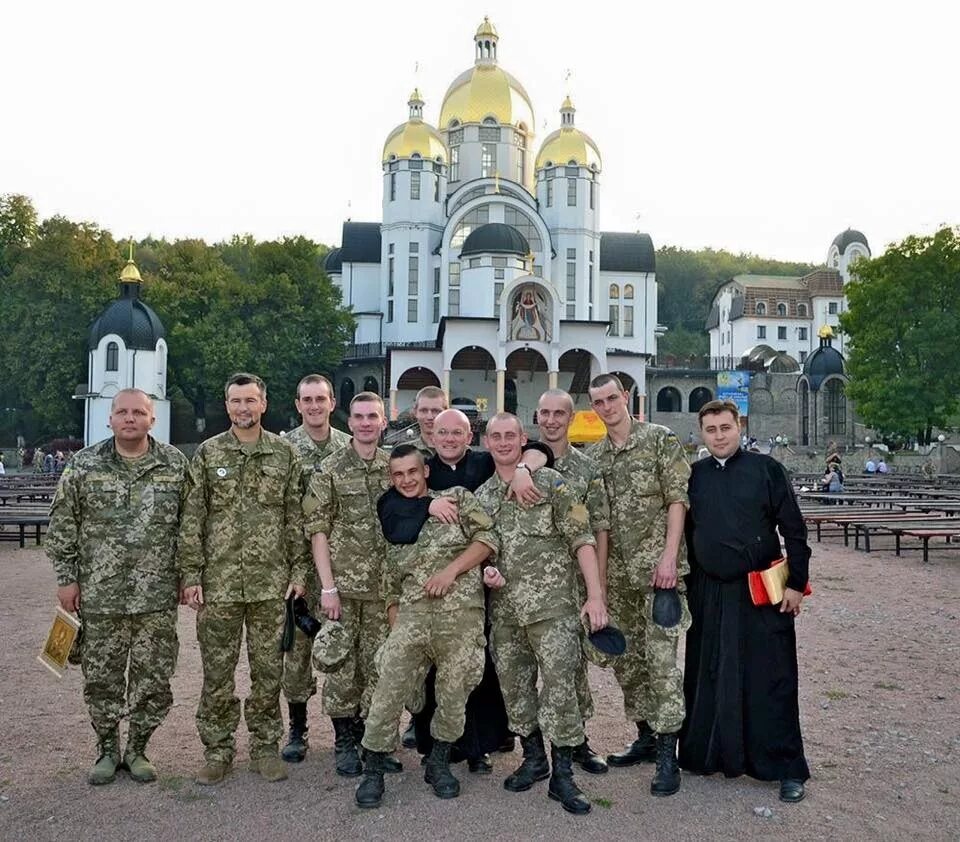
489	274
763	314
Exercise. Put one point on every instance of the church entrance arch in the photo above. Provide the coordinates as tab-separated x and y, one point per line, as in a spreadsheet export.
668	400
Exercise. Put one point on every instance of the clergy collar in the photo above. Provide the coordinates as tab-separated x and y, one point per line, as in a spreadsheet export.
722	463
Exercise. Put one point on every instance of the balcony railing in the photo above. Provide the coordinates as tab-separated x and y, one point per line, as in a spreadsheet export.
371	350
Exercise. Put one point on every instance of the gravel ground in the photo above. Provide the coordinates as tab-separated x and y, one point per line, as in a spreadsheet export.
879	669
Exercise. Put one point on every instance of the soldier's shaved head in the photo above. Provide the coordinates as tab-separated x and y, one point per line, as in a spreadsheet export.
123	392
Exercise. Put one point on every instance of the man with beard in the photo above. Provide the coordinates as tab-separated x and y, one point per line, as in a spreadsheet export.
241	554
741	671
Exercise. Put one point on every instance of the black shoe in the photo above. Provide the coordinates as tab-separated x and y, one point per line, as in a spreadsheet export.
345	748
588	760
642	750
508	745
666	780
534	766
562	788
791	790
437	771
480	765
296	748
390	763
409	737
370	790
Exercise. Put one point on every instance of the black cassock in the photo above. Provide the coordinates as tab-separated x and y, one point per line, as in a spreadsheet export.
740	679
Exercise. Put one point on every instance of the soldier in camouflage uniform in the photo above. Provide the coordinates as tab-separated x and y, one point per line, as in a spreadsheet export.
313	440
535	616
112	540
429	403
340	512
554	415
241	554
435	603
645	474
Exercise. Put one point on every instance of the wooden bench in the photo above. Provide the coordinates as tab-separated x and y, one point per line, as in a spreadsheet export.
925	535
901	525
23	522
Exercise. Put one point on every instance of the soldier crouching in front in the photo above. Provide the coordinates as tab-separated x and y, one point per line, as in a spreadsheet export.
535	622
435	607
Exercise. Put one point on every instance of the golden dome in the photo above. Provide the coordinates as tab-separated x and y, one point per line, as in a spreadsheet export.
486	29
130	273
826	332
486	90
414	136
569	144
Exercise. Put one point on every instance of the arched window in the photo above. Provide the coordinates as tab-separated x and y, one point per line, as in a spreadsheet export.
804	413
802	310
761	308
370	385
628	291
835	407
698	397
113	356
781	309
614	291
347	391
668	400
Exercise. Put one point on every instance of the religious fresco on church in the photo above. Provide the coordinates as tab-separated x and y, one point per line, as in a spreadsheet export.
532	315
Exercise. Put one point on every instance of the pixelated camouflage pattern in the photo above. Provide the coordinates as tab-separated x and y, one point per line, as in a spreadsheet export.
422	446
642	479
537	548
348	691
241	534
341	502
408	566
550	648
220	628
113	528
127	664
454	642
648	672
581	472
312	453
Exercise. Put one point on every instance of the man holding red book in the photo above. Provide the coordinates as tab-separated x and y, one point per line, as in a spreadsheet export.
740	681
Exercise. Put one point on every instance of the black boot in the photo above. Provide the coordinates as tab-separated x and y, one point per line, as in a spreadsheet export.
642	750
390	763
588	760
437	771
562	788
370	790
296	748
345	748
409	737
534	766
480	765
666	780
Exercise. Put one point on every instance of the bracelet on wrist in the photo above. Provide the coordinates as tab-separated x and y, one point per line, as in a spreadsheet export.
329	591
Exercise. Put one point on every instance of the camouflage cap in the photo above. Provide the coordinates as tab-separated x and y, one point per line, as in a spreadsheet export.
331	647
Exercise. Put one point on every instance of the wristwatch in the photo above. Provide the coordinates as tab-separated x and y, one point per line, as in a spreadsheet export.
525	466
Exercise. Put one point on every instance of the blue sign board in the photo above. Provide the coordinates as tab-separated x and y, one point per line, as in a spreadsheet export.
735	386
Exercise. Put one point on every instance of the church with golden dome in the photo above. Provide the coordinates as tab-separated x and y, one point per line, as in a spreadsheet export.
489	274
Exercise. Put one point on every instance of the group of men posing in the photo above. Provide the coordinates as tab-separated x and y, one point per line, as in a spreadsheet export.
462	585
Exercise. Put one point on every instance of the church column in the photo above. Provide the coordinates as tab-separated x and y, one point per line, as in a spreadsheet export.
393	405
552	379
501	381
446	383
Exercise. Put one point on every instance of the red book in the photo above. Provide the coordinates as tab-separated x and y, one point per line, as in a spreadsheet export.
766	586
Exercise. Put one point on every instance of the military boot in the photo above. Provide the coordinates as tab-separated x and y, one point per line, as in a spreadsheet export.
135	761
666	780
269	766
296	748
104	771
642	750
409	738
213	772
345	748
390	763
370	790
534	766
437	771
588	760
562	788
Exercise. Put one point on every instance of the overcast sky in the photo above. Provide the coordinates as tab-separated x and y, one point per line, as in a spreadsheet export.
757	126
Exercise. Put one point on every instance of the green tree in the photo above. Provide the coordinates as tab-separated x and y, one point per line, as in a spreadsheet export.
18	229
903	319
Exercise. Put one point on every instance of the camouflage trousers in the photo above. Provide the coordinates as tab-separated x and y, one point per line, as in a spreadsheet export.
584	696
348	691
127	663
299	682
552	649
220	629
648	672
452	641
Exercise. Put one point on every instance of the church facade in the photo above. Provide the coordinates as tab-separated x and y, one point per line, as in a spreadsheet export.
489	274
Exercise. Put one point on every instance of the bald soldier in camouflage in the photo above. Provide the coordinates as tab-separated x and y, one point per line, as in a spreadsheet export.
313	440
241	554
435	603
535	616
555	411
340	516
645	473
112	540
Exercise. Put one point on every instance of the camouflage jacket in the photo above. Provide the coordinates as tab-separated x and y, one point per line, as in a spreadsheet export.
537	548
642	479
580	472
241	535
113	528
422	446
312	453
341	502
409	566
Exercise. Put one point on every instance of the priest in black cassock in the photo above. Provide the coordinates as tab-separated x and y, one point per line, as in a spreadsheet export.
740	680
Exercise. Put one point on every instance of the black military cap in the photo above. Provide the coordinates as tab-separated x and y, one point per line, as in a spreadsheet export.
609	640
666	608
304	620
